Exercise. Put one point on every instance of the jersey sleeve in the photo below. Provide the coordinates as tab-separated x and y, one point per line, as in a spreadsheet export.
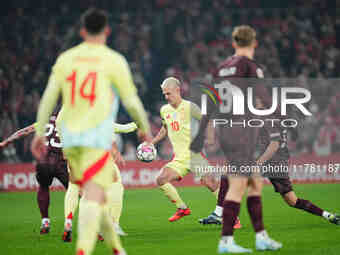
124	128
49	98
253	70
195	111
162	116
122	79
123	83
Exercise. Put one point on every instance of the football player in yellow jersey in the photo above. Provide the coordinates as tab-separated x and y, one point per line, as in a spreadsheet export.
177	120
90	77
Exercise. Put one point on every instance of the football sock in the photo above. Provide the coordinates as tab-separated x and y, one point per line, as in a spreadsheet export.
227	239
115	193
171	192
254	205
308	207
44	220
231	210
90	214
110	236
218	210
261	234
71	202
224	186
326	214
43	197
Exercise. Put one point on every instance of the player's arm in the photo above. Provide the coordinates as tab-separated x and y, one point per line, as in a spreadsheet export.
128	94
269	153
198	142
117	157
210	134
274	133
275	137
20	133
47	104
163	132
195	111
124	128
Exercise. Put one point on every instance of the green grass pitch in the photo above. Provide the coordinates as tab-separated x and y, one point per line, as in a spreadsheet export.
145	219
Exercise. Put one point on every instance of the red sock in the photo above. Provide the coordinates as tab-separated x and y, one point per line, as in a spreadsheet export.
255	211
231	210
43	198
224	186
308	207
70	216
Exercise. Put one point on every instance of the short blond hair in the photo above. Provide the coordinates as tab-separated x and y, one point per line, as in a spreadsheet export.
244	35
171	81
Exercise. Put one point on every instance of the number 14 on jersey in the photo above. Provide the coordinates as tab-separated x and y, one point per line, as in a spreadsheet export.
90	80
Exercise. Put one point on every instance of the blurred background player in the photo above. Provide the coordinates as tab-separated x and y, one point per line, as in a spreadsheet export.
90	78
177	120
238	143
114	193
281	181
52	165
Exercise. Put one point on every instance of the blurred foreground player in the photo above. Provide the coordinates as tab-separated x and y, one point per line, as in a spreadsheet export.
177	120
239	72
53	165
90	78
114	193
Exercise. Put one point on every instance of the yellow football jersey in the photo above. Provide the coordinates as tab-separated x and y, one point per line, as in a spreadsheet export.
91	78
86	74
179	123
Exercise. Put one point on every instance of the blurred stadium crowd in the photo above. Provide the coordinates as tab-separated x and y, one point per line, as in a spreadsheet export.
186	39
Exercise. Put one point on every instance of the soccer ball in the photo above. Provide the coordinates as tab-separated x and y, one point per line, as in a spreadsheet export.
146	152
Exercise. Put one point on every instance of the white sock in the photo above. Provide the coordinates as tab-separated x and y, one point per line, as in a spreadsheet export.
44	220
261	234
218	211
68	222
227	239
326	214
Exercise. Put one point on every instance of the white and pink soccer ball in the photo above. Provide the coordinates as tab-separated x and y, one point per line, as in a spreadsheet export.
146	152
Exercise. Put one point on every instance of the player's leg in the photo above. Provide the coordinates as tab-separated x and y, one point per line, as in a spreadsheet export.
70	200
44	179
70	206
198	161
254	204
231	210
107	224
110	236
116	193
216	216
284	187
89	169
211	183
172	171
